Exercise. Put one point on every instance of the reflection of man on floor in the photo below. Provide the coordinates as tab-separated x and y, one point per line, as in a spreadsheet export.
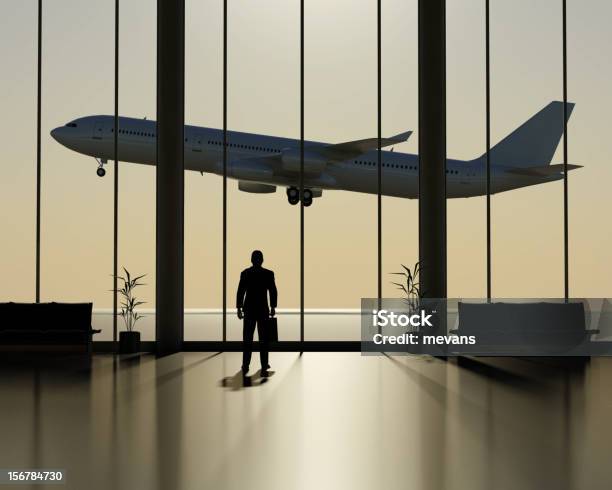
252	305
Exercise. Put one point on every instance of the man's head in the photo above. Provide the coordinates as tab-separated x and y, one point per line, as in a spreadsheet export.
257	258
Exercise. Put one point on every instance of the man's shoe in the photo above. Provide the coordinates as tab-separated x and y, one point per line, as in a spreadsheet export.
265	373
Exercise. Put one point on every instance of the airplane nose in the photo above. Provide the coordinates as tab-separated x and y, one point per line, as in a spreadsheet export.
56	134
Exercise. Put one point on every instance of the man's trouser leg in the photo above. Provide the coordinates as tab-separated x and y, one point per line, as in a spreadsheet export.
262	333
248	329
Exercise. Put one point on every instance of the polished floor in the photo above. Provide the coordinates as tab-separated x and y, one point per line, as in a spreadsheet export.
322	421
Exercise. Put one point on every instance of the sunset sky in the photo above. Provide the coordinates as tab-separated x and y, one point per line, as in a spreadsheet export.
263	91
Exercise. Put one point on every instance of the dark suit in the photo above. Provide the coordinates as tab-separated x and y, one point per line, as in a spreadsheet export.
252	297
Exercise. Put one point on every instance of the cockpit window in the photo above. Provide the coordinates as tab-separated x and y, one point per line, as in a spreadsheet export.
71	125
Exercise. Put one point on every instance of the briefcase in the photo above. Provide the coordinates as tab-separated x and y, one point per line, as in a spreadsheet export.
272	330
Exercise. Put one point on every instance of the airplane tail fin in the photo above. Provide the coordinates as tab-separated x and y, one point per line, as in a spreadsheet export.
533	143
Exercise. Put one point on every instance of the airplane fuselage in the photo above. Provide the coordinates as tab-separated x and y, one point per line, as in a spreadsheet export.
94	136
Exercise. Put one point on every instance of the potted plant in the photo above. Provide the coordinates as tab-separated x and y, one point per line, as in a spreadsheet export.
410	284
129	340
410	287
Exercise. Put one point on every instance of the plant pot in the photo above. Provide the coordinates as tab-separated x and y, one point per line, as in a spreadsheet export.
129	342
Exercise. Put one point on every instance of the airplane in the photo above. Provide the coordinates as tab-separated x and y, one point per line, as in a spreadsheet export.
262	163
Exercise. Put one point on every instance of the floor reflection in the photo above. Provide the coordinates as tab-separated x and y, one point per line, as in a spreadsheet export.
323	420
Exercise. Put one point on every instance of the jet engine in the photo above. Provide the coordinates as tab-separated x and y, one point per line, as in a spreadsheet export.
256	188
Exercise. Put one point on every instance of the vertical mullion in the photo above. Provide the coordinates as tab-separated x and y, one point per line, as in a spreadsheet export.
38	150
224	280
432	148
565	186
302	171
379	153
116	176
488	140
170	177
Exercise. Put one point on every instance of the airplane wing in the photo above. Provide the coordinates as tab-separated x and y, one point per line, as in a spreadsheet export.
345	151
316	158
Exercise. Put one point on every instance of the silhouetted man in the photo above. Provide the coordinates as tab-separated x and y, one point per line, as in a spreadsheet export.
252	305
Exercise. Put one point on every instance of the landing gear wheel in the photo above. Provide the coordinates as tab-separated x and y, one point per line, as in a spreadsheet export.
100	170
307	197
293	195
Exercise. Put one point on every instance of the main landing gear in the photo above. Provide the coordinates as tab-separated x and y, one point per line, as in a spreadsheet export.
101	171
293	196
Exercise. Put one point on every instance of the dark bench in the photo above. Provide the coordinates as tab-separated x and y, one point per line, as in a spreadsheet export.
46	326
536	328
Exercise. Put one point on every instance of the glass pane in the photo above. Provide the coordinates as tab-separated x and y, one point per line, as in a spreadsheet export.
18	50
137	99
203	201
466	219
590	145
263	100
400	215
340	244
526	76
77	209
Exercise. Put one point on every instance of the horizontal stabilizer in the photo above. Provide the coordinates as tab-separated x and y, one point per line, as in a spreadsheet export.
541	171
351	149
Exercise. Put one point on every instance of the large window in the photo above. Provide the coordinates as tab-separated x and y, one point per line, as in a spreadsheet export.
340	104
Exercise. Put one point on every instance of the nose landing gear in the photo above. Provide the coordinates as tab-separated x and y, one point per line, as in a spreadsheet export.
293	196
101	171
